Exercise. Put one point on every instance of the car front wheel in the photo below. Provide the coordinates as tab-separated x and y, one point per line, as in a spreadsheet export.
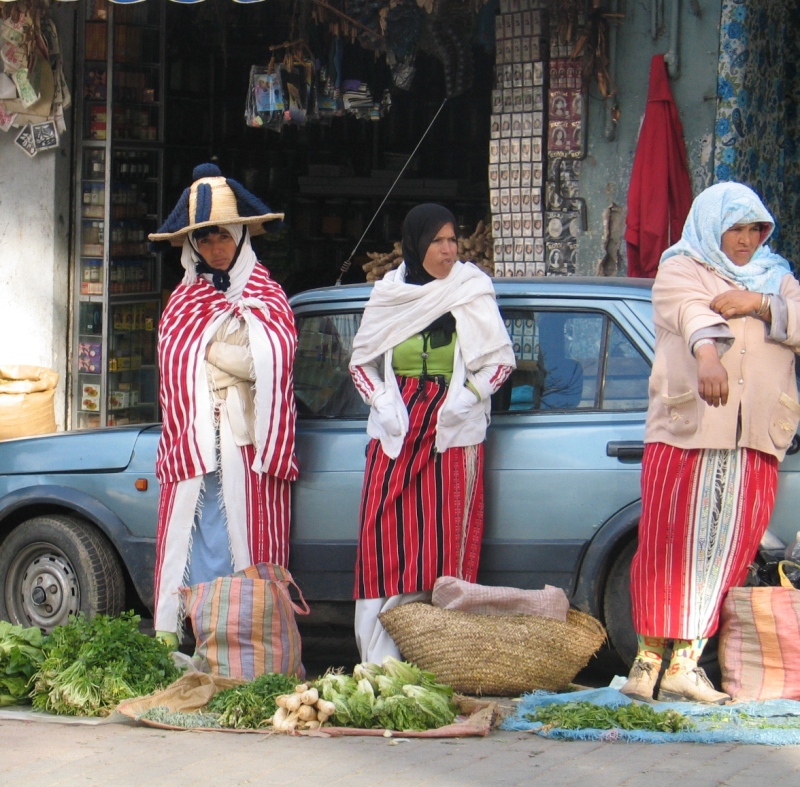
55	566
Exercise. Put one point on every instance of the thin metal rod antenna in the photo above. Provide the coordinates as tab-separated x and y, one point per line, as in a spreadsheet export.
349	261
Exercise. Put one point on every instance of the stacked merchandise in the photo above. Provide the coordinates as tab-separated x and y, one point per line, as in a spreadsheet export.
516	160
566	145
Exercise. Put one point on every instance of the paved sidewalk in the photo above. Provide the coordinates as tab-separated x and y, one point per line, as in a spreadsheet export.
51	754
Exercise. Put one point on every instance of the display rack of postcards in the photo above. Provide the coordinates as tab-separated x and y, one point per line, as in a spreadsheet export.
517	140
118	288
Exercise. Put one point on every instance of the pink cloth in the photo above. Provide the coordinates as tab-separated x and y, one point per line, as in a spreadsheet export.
454	593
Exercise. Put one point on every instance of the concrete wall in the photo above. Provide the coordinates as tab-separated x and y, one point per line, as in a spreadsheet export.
606	170
34	247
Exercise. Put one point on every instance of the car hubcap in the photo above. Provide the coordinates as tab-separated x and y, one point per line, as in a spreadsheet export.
44	587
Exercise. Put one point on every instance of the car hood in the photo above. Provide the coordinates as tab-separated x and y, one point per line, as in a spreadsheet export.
69	452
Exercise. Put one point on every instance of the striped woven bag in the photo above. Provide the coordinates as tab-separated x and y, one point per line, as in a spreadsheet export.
759	643
244	623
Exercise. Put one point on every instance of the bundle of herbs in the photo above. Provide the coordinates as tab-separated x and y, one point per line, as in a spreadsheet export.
20	655
394	696
91	665
250	705
588	716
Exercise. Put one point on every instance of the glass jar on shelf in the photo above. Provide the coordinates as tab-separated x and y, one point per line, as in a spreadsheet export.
94	164
91	276
93	199
90	319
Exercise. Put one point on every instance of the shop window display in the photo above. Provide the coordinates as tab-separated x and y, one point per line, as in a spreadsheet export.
118	288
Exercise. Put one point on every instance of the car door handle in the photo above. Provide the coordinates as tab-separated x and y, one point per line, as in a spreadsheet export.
625	449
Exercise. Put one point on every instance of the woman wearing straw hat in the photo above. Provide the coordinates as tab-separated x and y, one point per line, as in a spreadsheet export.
434	326
226	346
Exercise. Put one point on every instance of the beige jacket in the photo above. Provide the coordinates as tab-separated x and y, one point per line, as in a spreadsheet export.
230	372
760	368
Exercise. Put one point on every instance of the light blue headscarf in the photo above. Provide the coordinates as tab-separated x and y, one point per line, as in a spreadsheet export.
716	210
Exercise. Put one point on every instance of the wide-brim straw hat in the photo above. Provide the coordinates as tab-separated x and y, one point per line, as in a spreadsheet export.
213	200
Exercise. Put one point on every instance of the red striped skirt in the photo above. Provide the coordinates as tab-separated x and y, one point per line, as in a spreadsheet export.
704	513
421	514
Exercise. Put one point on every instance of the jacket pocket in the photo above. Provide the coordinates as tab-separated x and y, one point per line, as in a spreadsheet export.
681	411
783	421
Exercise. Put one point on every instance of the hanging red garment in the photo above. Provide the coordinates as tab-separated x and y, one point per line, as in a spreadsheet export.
660	192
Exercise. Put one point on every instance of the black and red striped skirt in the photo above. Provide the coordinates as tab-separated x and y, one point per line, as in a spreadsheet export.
421	514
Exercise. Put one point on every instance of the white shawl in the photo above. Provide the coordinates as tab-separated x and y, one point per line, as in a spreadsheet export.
397	311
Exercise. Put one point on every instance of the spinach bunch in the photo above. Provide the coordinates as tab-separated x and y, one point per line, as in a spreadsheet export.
91	665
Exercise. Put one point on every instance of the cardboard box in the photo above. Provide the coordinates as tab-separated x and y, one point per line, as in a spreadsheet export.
90	398
119	400
90	357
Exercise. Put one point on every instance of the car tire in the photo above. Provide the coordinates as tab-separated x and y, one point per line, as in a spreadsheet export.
617	605
618	615
55	566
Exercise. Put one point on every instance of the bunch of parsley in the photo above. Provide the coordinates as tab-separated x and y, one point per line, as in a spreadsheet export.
91	665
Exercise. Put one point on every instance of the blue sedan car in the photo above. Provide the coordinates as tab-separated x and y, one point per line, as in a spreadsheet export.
563	459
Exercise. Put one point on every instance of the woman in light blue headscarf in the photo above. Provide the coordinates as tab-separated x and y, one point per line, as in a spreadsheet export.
723	410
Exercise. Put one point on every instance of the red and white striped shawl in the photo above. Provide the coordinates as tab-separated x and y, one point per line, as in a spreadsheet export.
190	320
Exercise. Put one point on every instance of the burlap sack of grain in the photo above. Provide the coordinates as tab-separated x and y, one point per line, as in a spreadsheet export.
26	401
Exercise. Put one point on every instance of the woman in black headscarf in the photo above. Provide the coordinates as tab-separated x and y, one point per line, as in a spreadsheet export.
435	325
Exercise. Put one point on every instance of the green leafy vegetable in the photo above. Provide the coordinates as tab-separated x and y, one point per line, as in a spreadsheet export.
20	654
91	665
360	704
395	696
587	715
250	705
368	671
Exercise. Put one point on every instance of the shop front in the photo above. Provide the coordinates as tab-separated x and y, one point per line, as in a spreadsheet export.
521	115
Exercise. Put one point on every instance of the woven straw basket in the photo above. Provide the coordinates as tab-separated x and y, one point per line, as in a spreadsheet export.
500	655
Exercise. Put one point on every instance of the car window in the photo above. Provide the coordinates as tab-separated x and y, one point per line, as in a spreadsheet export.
322	383
569	360
626	374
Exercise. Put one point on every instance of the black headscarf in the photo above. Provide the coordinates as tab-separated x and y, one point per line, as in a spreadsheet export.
420	227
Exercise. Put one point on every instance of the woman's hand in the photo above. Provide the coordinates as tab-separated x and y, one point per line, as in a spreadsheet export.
736	303
387	416
458	410
464	402
712	379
